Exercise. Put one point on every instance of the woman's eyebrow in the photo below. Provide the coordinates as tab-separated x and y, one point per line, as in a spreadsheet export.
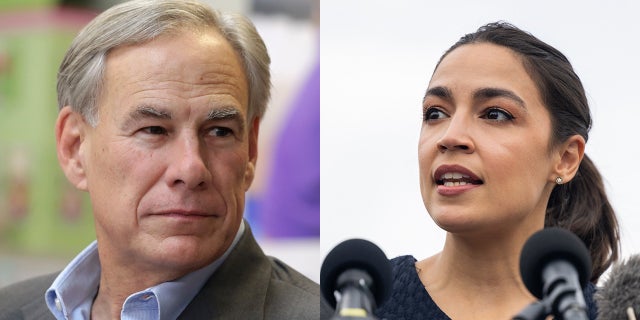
488	93
440	92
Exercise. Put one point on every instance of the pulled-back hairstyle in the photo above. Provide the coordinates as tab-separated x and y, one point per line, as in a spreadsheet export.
581	205
81	72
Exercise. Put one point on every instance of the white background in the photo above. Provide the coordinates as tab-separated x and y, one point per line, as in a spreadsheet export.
377	58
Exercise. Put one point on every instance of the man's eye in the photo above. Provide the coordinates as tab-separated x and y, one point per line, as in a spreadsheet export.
154	130
220	132
433	113
497	114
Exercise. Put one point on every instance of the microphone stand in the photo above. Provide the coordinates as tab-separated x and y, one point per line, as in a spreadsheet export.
561	304
356	301
564	301
535	311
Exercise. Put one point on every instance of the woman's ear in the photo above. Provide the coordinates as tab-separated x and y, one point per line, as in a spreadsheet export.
70	130
570	154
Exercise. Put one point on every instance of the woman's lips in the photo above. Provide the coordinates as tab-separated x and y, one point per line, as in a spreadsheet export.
455	175
455	179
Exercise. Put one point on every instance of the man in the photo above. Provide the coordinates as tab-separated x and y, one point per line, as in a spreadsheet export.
160	106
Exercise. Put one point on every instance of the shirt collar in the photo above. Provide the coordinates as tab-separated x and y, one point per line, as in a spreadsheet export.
72	292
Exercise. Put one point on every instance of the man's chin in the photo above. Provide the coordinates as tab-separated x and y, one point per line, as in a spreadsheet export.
188	252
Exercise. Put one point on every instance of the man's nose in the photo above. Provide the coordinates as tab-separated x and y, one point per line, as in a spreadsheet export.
188	165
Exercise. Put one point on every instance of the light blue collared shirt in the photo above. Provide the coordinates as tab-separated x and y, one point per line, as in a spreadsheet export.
72	292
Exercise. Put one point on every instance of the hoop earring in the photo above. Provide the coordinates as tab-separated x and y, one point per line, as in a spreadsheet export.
559	180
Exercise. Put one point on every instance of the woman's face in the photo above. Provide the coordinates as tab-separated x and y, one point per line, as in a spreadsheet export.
484	153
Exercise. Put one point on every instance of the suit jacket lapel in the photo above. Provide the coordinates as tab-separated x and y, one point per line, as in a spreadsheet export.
238	289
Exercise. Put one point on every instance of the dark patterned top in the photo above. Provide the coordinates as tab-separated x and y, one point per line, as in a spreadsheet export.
409	300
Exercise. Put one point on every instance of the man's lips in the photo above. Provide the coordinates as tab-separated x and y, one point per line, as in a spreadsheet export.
454	176
184	213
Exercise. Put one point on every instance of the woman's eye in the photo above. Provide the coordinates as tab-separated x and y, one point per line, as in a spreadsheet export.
434	114
497	114
220	132
155	130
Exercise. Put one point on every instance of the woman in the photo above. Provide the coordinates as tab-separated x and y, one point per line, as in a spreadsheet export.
501	154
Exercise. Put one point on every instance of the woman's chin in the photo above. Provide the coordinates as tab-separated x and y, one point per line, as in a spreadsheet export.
455	224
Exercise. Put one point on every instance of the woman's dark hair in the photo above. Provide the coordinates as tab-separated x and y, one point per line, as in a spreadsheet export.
581	205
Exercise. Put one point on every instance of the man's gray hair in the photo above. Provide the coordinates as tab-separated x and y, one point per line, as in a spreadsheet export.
80	77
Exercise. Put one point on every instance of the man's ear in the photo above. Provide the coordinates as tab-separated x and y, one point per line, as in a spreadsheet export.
250	172
70	134
570	154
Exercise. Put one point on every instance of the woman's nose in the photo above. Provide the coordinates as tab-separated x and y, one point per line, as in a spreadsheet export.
456	137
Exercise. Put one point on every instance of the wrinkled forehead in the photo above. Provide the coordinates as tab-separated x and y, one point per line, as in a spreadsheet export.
189	61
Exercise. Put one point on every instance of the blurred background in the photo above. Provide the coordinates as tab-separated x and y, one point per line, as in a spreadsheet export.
377	59
45	222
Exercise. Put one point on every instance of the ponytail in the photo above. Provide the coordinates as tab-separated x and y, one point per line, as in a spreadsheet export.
581	206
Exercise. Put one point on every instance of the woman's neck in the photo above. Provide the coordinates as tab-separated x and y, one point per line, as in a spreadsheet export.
477	277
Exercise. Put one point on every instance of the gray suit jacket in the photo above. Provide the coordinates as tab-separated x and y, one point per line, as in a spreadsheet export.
248	285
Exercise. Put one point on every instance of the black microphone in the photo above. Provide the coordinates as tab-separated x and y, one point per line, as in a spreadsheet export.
359	274
619	296
555	266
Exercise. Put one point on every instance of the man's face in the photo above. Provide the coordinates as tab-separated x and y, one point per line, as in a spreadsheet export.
173	153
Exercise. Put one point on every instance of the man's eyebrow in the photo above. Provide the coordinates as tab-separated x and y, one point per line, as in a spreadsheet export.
223	113
150	112
488	93
145	112
226	113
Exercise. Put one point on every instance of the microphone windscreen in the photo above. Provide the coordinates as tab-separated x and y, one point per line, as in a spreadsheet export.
551	244
356	254
620	290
